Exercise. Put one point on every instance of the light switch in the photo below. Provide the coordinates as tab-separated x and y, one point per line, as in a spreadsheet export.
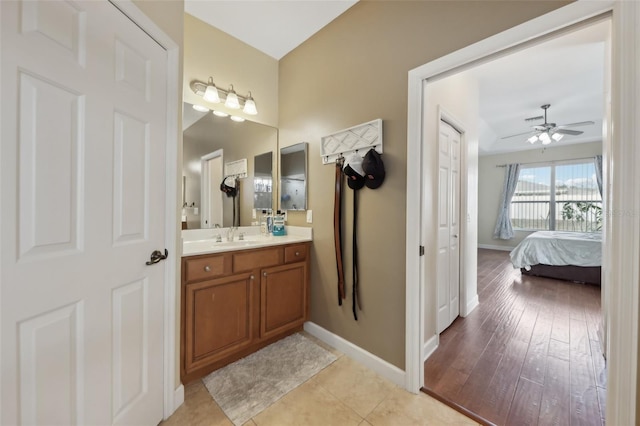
309	216
195	211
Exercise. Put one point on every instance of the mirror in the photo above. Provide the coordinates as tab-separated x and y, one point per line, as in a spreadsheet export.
263	181
293	177
209	137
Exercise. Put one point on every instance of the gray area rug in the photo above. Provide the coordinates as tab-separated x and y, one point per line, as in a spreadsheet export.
248	386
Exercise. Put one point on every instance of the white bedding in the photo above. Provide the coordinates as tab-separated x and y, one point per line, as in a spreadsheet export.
558	248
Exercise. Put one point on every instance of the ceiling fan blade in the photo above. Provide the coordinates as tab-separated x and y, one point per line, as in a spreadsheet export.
518	134
539	117
569	132
581	123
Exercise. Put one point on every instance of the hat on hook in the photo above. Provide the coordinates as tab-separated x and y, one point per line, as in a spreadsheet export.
228	186
353	170
373	168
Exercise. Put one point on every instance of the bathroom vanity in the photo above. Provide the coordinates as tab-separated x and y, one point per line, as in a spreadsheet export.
239	296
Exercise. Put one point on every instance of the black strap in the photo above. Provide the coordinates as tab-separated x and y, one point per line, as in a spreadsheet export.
356	302
337	229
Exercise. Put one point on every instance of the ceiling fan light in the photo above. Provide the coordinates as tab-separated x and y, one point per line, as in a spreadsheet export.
533	139
557	136
545	139
232	99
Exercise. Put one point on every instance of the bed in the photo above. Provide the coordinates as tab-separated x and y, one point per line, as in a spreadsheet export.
572	256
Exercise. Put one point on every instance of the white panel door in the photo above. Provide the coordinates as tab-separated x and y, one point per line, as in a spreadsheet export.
448	253
82	181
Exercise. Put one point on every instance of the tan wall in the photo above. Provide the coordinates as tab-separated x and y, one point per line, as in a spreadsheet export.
209	52
166	15
352	71
491	180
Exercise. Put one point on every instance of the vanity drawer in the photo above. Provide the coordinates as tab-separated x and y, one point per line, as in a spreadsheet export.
295	253
255	259
200	268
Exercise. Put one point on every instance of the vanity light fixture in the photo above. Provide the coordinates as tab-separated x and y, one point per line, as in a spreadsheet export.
237	118
231	99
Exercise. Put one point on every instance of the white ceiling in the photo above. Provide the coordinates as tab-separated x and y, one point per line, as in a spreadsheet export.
566	72
274	27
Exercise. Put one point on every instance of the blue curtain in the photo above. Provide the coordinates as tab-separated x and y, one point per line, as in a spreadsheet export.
504	230
598	162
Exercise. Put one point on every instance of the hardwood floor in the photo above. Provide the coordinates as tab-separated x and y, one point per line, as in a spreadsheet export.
529	354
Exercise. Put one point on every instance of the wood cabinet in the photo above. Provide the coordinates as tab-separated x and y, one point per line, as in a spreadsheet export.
235	303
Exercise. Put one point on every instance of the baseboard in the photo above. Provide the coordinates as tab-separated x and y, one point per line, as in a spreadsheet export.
471	306
430	346
369	360
491	247
177	401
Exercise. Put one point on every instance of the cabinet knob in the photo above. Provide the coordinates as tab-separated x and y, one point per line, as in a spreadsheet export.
297	253
264	274
252	277
207	268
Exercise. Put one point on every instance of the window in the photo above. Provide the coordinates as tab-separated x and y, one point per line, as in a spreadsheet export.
560	196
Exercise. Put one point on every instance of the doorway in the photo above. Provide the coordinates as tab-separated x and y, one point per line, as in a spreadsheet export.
212	175
622	337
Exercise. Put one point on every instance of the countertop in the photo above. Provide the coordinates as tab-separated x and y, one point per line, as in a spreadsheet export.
203	241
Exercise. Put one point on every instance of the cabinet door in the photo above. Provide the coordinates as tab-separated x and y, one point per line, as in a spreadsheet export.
218	319
283	298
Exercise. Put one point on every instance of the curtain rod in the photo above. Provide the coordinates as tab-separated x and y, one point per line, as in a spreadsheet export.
549	162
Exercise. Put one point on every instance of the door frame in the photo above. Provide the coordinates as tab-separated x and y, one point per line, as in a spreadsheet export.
621	236
173	395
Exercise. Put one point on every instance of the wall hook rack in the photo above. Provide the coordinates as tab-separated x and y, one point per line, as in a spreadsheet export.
357	139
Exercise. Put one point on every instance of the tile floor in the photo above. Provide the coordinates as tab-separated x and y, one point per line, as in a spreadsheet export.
344	393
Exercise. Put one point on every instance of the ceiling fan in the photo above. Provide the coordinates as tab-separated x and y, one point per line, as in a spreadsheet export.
547	132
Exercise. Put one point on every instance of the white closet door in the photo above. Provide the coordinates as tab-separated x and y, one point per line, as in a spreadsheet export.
83	182
448	254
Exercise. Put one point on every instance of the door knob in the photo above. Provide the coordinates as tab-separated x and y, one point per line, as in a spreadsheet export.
455	236
157	256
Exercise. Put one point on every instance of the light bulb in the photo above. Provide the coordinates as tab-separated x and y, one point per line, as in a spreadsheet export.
200	108
557	136
232	99
211	92
220	113
237	118
545	139
250	106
